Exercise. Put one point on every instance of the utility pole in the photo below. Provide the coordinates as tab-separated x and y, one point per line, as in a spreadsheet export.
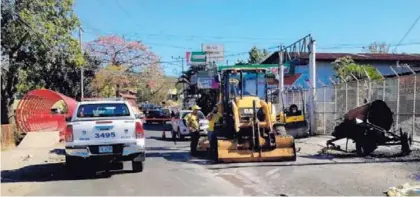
182	71
281	76
82	71
312	90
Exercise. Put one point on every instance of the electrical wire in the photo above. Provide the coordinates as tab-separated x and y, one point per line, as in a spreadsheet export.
335	46
406	33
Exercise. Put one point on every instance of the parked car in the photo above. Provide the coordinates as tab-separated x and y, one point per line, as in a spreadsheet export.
104	131
178	124
155	116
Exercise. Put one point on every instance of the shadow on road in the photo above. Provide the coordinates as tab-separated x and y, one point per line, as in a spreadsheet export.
201	160
52	172
168	139
58	151
181	156
288	164
164	148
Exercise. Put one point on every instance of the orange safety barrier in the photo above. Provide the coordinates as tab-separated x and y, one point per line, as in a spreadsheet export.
33	112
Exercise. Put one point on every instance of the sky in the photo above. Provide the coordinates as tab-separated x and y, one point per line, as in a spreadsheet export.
172	27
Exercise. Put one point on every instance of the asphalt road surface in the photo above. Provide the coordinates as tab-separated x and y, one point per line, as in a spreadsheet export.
169	170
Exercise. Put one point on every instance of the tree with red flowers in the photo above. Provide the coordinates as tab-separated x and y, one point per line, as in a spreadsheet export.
115	50
121	58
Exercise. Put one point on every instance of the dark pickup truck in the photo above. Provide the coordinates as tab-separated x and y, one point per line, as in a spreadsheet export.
157	116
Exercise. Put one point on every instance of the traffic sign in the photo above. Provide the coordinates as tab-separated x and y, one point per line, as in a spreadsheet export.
197	58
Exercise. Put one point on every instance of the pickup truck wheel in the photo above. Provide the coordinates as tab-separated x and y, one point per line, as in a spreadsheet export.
137	166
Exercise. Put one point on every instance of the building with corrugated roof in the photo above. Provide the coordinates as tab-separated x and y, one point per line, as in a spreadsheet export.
298	74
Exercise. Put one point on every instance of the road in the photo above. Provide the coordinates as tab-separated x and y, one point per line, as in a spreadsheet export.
169	170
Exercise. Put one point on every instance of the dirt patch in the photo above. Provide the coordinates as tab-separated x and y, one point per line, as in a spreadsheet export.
18	189
19	176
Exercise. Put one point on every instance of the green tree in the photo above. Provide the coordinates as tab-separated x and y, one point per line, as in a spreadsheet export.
35	35
255	56
345	66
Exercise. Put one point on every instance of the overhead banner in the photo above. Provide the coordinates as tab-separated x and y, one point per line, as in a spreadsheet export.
271	68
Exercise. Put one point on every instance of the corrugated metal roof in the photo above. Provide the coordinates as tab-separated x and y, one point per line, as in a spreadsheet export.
273	58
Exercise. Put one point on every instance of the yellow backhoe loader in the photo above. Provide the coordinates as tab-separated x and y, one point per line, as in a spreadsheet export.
247	131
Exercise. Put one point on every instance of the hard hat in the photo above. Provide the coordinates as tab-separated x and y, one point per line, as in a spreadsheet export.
195	107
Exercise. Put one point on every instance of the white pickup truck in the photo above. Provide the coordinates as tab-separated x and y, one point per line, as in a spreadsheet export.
105	131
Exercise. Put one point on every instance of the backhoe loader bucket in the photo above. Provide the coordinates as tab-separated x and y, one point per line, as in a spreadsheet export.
231	151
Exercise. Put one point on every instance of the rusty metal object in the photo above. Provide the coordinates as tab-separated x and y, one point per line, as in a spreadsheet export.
369	127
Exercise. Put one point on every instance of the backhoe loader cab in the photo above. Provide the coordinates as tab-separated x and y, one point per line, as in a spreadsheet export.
247	129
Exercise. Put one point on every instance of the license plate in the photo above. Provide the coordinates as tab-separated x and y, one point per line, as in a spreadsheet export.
105	149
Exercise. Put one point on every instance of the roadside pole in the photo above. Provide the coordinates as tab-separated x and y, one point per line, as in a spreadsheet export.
182	71
312	89
81	69
281	78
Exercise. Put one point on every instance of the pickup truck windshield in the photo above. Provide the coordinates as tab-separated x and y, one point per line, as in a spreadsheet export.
103	110
155	113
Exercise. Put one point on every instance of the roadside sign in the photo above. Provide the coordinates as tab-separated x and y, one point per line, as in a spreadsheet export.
207	83
197	58
261	66
214	52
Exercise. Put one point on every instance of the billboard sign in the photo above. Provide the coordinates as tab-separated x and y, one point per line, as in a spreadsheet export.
214	52
207	83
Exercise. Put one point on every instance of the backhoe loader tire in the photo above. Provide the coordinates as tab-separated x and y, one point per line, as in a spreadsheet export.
295	152
281	130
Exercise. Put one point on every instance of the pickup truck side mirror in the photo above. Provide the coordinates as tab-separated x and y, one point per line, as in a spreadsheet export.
68	119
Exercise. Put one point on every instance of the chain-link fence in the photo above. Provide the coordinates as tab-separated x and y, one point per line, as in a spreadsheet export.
297	96
401	93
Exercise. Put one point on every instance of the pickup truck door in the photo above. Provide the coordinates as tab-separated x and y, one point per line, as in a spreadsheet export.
104	131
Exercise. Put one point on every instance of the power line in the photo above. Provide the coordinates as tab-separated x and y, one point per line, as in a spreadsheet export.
335	46
408	32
